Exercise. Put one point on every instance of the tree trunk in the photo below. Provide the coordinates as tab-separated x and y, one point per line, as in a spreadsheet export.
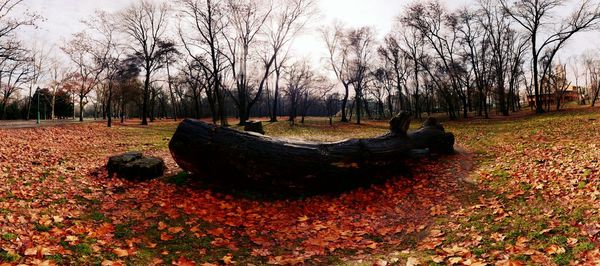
173	102
81	97
200	148
109	105
367	109
53	105
357	102
152	105
276	96
345	102
146	98
29	103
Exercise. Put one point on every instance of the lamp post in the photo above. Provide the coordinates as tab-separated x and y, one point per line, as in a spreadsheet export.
37	91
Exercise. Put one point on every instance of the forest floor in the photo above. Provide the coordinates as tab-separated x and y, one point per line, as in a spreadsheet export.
523	190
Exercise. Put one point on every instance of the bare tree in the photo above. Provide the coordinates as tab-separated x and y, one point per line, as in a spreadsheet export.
206	45
499	34
299	77
284	24
414	49
39	57
104	25
59	75
325	90
395	70
145	23
339	61
440	30
534	16
10	48
476	44
13	74
593	69
247	18
361	42
9	24
88	63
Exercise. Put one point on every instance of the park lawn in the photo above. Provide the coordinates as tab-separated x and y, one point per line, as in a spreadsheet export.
520	190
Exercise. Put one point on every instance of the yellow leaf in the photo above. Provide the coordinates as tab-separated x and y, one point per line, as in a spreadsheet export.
412	261
497	237
57	219
438	259
228	259
161	226
31	252
120	252
455	260
555	249
303	218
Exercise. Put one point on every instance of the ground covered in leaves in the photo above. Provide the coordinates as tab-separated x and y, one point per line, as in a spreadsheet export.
519	191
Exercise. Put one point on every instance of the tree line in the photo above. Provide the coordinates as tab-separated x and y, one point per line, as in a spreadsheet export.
234	58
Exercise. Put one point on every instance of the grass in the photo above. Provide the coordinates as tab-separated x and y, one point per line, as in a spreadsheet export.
488	141
533	177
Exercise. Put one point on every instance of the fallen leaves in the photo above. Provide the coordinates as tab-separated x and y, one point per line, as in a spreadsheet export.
120	252
555	249
175	230
65	206
303	218
412	261
539	203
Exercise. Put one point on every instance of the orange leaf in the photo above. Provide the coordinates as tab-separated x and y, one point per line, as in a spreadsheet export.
228	259
303	218
175	230
165	237
216	231
161	226
182	261
120	252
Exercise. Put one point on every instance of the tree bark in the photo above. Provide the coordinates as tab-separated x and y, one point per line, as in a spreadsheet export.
109	105
146	96
80	107
202	148
345	102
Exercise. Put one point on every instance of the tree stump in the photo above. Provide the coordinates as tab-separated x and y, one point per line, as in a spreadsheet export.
254	126
134	165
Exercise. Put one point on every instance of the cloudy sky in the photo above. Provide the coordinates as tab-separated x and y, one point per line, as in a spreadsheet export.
62	18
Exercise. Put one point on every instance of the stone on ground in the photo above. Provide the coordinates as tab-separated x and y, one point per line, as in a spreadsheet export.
134	165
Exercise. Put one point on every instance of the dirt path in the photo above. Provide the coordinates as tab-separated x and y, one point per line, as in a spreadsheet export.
44	123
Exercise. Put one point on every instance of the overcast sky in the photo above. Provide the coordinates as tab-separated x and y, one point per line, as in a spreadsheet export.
62	18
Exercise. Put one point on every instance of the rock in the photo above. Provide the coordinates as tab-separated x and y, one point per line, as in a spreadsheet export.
254	126
115	163
134	165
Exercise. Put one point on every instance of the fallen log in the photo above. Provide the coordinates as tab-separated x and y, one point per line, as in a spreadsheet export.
225	153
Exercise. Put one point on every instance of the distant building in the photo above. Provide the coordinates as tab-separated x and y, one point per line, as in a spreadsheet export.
571	94
556	82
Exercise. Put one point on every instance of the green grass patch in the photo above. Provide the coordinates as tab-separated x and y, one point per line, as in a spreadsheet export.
42	228
5	256
9	236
